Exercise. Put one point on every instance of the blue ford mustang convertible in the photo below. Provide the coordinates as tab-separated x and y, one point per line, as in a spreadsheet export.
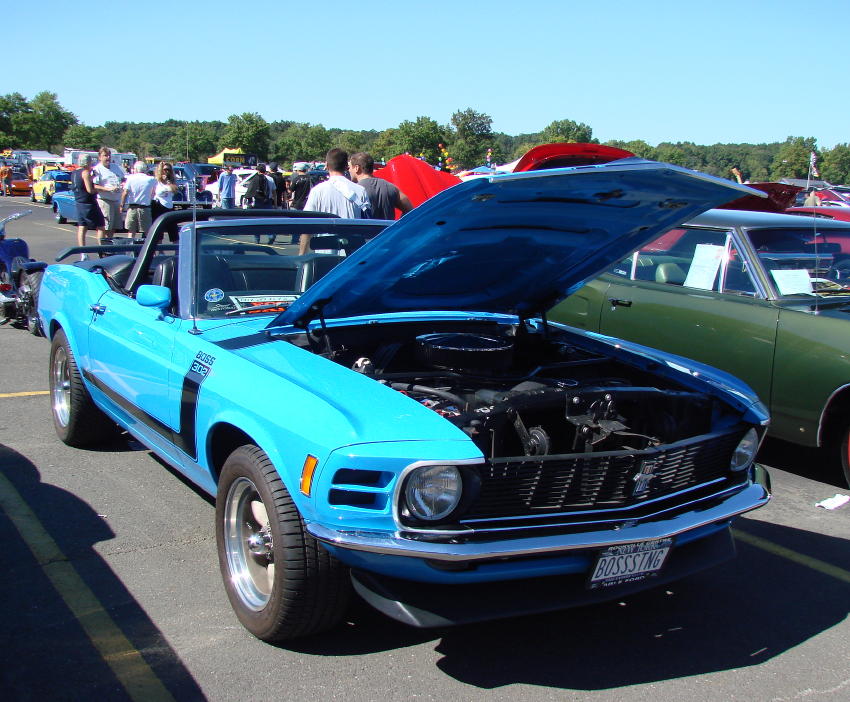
403	421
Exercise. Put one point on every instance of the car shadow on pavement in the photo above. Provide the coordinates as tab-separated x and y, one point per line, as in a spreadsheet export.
45	652
743	613
813	463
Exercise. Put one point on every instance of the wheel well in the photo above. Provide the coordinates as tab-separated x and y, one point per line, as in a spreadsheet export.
836	417
224	440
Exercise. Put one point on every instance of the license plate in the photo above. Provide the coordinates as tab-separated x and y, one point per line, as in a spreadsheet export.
629	563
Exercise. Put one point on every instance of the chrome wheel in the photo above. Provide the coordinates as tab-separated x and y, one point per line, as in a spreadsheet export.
248	544
61	387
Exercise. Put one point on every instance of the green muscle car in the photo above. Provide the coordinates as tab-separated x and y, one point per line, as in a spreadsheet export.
763	296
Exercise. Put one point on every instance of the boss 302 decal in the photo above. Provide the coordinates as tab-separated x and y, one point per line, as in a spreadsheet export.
184	439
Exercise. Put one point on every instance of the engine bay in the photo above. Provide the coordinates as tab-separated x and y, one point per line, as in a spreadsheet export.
518	390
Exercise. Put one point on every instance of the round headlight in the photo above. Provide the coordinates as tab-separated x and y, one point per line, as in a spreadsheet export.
745	452
432	492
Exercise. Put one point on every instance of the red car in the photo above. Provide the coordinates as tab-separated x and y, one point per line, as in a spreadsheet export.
841	213
21	184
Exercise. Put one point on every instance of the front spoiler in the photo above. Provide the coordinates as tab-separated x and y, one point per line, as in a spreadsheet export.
685	518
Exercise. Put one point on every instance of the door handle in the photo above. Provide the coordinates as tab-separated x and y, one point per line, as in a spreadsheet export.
98	309
616	302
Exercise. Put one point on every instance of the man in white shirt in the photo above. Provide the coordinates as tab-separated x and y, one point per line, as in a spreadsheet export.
136	199
337	195
107	177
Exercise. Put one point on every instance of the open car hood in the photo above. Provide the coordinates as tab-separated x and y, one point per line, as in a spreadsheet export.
515	243
568	154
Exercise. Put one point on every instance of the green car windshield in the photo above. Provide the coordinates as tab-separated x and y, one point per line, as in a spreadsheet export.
804	261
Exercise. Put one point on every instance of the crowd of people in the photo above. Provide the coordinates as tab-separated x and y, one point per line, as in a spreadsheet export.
104	194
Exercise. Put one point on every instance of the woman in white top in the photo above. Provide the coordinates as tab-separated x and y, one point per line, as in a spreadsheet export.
163	200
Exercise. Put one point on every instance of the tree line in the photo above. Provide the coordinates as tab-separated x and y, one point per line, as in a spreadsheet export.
467	141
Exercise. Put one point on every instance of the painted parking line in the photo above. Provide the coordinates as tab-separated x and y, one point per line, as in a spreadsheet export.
799	558
29	393
128	665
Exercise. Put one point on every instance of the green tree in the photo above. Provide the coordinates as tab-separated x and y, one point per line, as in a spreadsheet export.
835	167
562	130
792	159
81	136
193	141
12	106
470	138
637	146
302	142
44	124
420	137
248	132
386	145
670	153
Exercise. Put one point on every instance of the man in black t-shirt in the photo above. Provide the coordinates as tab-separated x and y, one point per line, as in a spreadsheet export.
385	197
300	186
279	184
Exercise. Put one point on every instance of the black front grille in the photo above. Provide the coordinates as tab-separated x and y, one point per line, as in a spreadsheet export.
540	485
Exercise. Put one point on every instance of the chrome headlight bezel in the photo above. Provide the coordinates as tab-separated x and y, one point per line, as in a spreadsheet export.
745	452
431	493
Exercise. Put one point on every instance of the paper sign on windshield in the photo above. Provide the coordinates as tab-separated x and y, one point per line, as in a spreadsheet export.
704	267
793	282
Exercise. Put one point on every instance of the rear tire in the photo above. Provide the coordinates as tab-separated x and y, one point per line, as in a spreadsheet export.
77	420
281	582
31	284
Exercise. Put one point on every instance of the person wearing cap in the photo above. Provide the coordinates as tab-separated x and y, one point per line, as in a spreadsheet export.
89	215
300	186
136	199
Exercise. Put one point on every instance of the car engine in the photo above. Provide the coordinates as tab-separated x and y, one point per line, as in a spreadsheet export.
520	392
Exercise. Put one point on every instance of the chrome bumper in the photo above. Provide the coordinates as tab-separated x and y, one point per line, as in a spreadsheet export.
753	496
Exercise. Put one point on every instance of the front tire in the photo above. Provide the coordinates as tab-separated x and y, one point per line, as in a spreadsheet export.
59	218
844	450
77	420
281	582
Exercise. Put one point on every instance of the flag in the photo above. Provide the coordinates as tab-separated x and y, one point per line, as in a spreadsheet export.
813	162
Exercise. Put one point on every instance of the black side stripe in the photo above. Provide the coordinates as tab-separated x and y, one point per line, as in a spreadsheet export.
185	439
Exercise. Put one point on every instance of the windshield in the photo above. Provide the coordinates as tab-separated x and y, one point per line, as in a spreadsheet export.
805	261
253	269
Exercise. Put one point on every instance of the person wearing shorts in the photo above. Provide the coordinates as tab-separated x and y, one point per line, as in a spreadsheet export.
89	215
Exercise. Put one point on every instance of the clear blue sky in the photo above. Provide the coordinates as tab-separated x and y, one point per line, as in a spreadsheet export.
717	71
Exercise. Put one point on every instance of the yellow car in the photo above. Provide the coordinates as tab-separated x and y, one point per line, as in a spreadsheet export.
49	183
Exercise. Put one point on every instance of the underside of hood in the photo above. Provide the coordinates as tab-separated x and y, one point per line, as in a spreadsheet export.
515	243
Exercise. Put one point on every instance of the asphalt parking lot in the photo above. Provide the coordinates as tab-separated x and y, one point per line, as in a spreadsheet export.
110	590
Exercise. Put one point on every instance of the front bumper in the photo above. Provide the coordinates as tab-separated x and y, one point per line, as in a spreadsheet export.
437	605
684	518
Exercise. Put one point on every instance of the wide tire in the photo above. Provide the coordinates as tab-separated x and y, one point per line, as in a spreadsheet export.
844	450
77	420
30	285
281	582
59	218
